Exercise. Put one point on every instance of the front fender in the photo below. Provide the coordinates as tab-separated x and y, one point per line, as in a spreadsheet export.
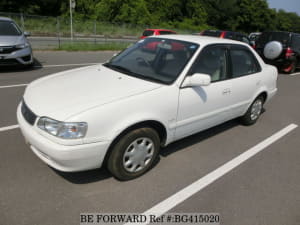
107	121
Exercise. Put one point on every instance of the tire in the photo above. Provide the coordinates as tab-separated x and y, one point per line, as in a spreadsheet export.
272	50
134	154
293	67
253	112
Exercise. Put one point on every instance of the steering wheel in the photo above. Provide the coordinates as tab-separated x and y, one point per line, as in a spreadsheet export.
143	61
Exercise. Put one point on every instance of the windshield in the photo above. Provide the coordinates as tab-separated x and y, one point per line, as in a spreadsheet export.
9	28
156	59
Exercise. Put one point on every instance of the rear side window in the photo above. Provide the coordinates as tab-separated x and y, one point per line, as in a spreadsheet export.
148	32
296	42
162	32
212	33
243	62
282	37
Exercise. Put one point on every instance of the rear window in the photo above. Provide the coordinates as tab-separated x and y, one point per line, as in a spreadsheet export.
162	32
296	42
212	33
9	28
282	37
148	32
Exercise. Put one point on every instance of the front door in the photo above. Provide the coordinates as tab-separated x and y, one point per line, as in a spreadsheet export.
205	106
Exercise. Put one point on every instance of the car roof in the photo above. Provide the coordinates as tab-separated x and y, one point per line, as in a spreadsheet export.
5	19
201	40
283	32
160	30
227	31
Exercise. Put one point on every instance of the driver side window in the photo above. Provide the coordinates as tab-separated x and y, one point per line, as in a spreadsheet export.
211	61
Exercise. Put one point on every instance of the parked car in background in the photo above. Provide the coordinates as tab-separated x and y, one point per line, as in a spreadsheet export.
226	34
153	32
14	46
254	36
120	113
281	49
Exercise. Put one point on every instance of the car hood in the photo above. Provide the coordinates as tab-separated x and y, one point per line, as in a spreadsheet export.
69	93
11	40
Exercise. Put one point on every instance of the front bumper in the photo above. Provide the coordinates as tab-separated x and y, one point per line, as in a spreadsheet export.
23	56
62	157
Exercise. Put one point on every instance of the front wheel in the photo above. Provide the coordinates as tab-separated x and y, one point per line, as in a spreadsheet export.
134	154
253	112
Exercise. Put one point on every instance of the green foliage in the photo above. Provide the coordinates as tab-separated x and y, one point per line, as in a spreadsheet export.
194	15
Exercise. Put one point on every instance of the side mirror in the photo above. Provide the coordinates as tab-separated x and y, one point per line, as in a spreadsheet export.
197	79
27	34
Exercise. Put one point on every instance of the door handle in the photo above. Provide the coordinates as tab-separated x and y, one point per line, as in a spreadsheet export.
226	91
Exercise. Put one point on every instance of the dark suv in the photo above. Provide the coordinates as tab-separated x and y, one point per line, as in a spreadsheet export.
281	49
227	34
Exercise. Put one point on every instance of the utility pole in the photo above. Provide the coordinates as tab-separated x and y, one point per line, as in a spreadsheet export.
72	6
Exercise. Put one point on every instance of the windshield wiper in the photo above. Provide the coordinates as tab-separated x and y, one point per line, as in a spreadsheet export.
131	73
118	68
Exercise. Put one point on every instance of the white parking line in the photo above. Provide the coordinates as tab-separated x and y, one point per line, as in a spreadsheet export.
295	74
9	128
169	203
15	85
59	65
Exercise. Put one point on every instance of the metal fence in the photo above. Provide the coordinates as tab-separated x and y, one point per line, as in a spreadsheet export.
52	31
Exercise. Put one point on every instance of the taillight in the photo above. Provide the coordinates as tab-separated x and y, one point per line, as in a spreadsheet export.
222	35
289	53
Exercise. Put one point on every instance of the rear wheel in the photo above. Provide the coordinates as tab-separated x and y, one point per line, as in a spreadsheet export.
293	67
134	154
253	112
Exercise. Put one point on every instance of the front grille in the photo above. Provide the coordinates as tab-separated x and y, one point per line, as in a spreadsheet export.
7	49
8	62
29	116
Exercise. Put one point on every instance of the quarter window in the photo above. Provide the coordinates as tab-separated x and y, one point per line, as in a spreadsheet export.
211	61
243	62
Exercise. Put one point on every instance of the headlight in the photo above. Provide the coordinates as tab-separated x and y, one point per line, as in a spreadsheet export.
24	45
66	130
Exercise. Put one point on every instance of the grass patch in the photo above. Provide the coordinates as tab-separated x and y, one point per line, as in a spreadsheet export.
83	46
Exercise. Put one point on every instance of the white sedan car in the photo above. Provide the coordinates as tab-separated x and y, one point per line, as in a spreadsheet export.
155	92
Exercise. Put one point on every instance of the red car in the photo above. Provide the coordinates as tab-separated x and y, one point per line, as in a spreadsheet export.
150	32
153	45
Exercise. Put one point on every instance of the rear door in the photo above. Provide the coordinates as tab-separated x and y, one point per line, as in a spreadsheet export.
246	77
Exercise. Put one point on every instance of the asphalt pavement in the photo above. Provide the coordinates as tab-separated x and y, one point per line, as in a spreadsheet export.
262	190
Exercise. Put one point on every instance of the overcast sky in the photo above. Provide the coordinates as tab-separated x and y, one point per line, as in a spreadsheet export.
287	5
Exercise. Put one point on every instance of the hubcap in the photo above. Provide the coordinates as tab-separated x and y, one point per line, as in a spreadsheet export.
256	109
138	154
